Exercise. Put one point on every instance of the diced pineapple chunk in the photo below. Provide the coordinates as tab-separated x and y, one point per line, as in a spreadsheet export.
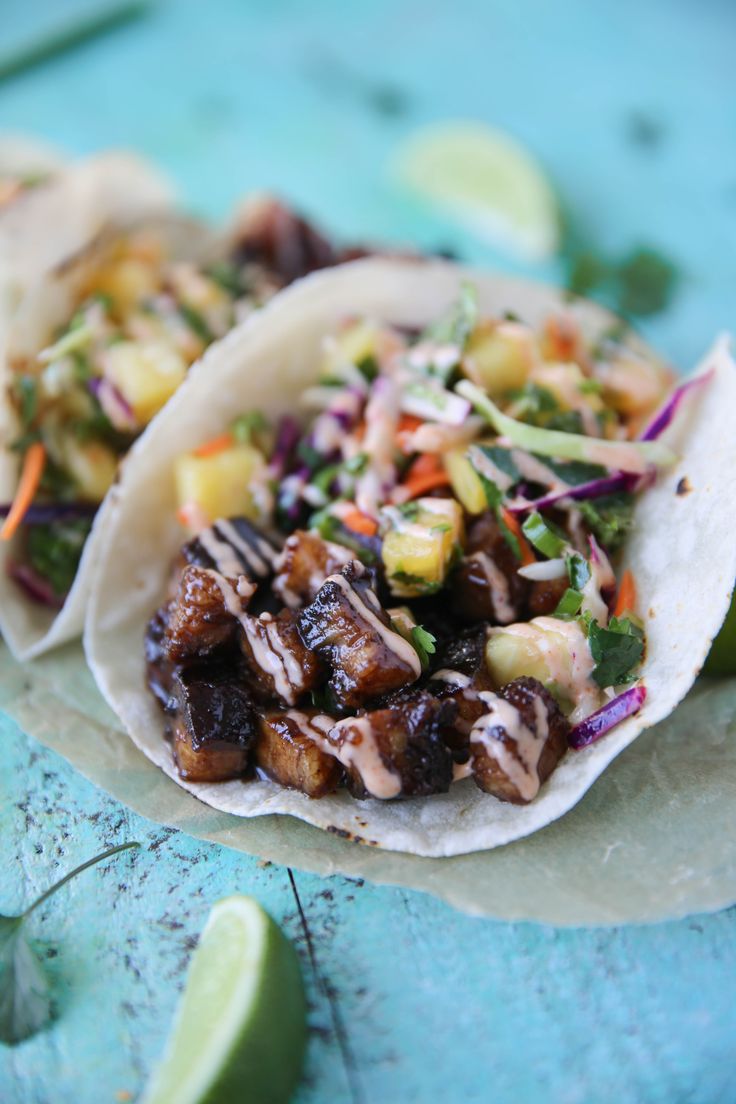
465	481
355	343
145	374
219	485
419	548
127	281
499	356
555	652
92	466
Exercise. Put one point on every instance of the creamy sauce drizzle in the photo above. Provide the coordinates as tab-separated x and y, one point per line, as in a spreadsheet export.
518	757
272	656
570	666
393	641
357	747
503	607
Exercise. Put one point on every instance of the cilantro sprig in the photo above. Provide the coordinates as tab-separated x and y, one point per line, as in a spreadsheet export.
25	996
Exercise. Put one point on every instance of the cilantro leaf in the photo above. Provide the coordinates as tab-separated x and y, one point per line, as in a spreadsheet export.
616	650
54	551
25	1001
609	517
578	570
425	644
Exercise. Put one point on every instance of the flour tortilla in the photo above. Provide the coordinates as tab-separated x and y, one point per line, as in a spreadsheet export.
682	550
53	239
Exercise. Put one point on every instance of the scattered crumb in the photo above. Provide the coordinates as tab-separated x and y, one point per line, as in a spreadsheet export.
263	863
683	486
650	612
123	1095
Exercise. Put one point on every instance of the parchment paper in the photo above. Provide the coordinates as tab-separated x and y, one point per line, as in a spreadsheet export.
654	839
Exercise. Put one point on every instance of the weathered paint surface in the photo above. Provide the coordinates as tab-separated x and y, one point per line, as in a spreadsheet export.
628	107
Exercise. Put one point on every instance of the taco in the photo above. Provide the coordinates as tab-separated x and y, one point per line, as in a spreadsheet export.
413	554
93	348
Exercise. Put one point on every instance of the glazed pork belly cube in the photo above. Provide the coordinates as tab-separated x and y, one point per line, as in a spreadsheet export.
159	668
304	563
214	726
518	741
347	626
397	751
203	614
280	667
459	675
231	546
486	585
287	750
545	595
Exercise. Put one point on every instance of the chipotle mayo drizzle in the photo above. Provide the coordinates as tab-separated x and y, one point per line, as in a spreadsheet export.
393	641
357	747
571	667
518	757
503	607
352	742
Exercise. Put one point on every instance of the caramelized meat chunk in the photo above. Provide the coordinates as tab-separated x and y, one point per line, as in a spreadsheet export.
518	741
486	585
397	751
204	613
159	668
233	547
545	595
303	565
280	241
347	626
279	664
215	724
286	751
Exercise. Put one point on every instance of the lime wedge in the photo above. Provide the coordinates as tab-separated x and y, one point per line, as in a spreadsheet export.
722	658
240	1030
487	182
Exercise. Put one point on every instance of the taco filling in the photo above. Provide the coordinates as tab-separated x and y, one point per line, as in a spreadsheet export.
141	320
415	581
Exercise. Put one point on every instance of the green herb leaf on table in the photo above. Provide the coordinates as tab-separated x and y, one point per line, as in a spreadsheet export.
25	999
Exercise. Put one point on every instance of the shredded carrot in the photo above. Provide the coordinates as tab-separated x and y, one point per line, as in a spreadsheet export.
360	522
425	474
33	464
527	556
626	598
408	423
217	444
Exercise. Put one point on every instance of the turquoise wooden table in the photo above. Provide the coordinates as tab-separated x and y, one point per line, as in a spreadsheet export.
632	108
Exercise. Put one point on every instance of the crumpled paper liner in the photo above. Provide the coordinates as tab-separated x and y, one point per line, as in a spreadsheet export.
654	839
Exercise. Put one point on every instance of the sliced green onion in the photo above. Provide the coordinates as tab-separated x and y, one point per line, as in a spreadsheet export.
544	535
569	604
626	456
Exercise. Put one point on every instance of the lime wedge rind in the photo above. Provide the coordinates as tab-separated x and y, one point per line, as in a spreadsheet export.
240	1031
488	182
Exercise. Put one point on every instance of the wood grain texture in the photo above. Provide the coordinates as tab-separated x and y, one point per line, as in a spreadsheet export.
409	1001
630	106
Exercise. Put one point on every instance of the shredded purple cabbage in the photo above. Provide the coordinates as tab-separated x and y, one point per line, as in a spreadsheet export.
595	488
664	416
35	586
605	718
45	512
287	438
